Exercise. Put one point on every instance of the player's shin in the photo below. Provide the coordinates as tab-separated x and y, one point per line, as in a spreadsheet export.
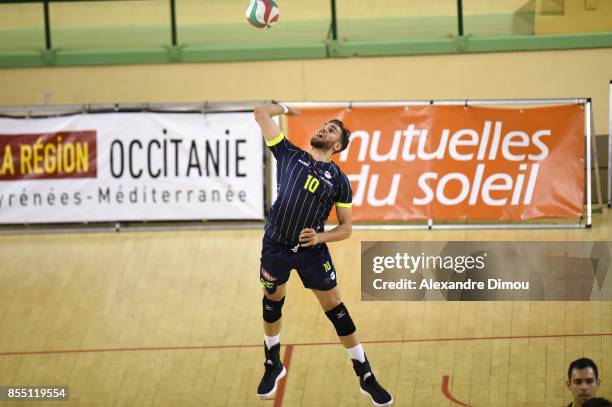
274	369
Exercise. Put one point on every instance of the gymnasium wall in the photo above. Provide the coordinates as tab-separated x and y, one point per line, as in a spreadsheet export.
71	14
119	25
141	24
541	74
549	16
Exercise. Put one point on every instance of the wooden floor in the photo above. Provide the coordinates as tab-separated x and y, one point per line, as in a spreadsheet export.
174	319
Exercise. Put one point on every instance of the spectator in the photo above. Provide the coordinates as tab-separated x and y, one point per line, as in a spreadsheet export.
583	381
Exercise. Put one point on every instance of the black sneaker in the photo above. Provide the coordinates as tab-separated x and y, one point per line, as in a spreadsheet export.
369	386
274	372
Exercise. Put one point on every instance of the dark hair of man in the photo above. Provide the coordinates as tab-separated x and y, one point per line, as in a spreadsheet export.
580	364
346	133
597	402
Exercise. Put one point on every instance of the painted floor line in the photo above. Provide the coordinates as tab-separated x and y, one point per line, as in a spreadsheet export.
280	393
204	347
447	394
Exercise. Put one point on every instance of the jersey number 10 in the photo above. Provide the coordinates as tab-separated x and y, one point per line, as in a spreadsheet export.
311	183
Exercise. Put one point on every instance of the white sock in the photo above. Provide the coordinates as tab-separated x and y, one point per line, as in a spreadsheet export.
271	340
358	354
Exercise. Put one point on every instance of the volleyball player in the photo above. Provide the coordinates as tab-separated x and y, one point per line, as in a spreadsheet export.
309	185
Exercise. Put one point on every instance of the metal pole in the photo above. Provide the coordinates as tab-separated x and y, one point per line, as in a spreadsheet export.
173	21
588	159
47	25
334	21
492	102
460	17
595	160
610	150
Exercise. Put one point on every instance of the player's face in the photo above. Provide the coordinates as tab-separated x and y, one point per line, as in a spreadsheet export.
328	136
583	384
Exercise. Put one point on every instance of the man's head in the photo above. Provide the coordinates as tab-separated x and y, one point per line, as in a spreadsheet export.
583	380
331	136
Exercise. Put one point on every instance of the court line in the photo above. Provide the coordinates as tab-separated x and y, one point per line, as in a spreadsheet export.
280	392
204	347
446	392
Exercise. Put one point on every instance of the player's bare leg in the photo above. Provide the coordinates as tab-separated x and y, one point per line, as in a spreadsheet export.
274	369
338	314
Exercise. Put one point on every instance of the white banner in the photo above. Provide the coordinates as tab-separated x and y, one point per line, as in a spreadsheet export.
131	166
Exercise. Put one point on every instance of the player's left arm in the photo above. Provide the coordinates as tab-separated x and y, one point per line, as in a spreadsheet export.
263	117
309	237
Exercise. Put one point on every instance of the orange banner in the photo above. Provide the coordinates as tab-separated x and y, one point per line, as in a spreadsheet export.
458	163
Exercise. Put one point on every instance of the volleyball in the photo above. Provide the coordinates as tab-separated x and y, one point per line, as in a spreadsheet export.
262	13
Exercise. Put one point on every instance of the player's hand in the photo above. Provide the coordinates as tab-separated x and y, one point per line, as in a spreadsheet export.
308	237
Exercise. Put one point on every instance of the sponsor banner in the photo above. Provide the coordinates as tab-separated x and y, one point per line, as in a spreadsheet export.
458	163
131	166
70	154
486	271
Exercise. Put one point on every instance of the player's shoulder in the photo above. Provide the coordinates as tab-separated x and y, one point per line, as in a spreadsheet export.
291	144
283	140
338	171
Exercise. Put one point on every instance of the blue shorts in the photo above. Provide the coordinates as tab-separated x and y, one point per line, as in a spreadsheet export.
313	264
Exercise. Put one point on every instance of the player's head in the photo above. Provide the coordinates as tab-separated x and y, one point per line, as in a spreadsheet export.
583	379
332	135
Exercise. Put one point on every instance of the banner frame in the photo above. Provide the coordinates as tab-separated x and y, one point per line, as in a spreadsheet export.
40	111
610	147
67	110
449	102
588	133
588	122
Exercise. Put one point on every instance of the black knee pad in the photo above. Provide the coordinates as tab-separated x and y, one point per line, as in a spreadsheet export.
339	316
272	309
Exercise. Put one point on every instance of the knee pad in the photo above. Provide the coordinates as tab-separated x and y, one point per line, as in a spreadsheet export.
339	316
272	309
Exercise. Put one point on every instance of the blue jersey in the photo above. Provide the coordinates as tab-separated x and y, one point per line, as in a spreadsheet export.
307	190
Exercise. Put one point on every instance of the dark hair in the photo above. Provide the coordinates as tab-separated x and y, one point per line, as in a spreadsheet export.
597	402
346	133
582	363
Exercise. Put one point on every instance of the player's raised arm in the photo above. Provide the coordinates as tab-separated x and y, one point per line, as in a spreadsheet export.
264	114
